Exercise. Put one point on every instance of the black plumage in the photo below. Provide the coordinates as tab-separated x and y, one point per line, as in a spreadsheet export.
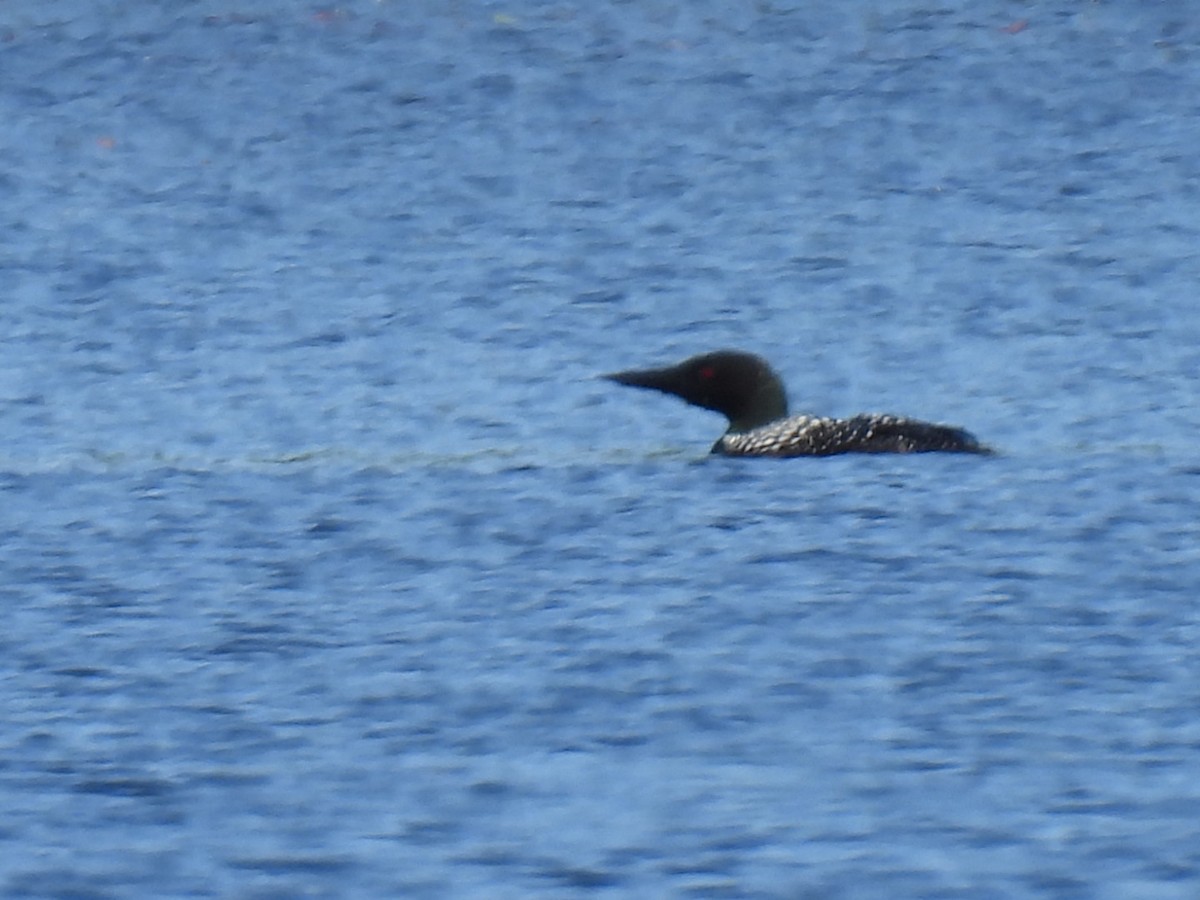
746	390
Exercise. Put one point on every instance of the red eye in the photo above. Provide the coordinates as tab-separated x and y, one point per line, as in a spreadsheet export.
707	373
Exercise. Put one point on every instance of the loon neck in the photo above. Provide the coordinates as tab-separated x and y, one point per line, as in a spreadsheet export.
767	403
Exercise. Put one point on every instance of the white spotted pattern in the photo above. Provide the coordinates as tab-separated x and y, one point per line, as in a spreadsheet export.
869	433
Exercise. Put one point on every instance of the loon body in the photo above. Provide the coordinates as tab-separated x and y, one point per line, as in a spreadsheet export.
746	390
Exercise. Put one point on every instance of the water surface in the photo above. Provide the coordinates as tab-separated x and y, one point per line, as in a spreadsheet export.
331	569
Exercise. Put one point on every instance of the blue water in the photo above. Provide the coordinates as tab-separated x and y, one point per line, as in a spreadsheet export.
330	569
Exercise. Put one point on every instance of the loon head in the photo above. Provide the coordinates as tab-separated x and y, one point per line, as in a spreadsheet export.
739	385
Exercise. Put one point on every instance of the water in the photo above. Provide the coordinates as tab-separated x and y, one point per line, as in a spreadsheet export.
331	569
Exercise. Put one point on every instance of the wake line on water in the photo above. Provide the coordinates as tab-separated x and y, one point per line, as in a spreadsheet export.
334	459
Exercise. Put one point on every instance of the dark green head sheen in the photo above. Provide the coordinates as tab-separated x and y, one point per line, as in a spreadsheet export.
739	385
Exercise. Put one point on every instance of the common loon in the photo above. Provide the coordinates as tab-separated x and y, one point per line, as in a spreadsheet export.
747	391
